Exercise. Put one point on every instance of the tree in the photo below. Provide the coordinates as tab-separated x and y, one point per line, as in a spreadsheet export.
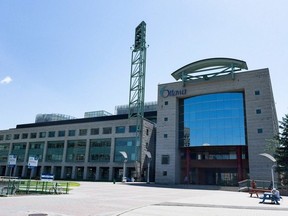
281	153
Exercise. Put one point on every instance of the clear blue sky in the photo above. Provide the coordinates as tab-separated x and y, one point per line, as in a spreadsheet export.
72	56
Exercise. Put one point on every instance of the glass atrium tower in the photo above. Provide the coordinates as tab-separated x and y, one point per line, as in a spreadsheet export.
212	126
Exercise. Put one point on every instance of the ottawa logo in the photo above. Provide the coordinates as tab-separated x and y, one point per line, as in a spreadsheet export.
171	92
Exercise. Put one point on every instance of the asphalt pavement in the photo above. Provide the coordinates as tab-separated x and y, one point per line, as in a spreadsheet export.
108	199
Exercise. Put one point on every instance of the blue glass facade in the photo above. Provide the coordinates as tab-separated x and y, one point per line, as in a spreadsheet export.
212	120
127	145
100	150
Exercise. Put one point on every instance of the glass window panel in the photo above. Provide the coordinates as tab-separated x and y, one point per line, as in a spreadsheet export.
4	146
132	128
36	149
24	135
55	151
16	136
83	132
19	149
127	145
76	150
51	134
94	131
61	133
8	136
72	133
107	130
33	135
165	159
120	129
214	119
42	134
100	150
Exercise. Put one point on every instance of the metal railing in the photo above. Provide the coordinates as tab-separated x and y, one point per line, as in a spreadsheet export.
245	185
10	187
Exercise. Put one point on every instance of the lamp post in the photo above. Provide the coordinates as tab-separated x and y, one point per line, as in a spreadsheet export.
272	174
270	157
124	154
148	154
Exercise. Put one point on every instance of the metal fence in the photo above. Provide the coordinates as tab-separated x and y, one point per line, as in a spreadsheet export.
12	186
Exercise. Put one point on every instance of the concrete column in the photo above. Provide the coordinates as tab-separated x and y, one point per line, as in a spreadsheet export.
62	172
44	154
73	172
87	151
64	152
26	154
24	171
12	172
110	173
41	169
7	171
86	159
15	170
85	173
97	173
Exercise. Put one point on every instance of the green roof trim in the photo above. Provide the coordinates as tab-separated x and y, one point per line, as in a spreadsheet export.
208	68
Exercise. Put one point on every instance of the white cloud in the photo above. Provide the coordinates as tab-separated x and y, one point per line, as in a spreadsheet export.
6	80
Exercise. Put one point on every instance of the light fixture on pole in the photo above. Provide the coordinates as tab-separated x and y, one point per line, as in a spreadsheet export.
272	168
124	154
148	154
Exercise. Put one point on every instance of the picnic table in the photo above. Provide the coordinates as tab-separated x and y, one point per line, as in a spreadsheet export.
269	196
258	190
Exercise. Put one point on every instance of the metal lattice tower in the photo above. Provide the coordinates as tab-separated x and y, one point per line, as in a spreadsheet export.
137	87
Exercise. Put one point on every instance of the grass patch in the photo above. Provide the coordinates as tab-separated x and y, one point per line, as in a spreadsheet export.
37	186
74	184
26	186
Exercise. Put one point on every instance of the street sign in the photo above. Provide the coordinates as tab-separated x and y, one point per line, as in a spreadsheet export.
32	162
12	160
47	177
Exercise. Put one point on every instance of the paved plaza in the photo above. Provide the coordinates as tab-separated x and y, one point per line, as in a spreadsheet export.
108	199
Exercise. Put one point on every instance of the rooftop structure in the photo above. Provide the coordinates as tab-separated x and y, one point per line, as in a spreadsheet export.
52	117
124	109
208	68
98	113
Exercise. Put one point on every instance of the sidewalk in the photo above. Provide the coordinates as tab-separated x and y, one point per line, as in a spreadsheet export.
222	203
212	202
108	199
